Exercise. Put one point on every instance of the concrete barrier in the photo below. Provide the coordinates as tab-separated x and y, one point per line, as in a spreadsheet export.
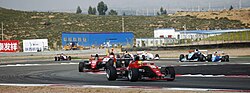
90	51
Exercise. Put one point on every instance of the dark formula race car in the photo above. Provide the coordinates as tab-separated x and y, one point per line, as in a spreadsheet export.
218	56
139	70
203	56
193	56
61	57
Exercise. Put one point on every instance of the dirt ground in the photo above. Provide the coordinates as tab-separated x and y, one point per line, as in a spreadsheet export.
55	89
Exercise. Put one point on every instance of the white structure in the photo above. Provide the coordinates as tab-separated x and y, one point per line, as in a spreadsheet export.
147	42
200	34
168	36
192	34
35	45
165	33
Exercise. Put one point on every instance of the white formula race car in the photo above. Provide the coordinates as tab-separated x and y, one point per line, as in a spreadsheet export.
147	56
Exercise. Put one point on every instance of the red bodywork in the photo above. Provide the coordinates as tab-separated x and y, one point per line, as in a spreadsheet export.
139	70
138	65
94	61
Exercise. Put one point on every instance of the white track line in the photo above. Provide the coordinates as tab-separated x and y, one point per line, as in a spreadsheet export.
7	84
200	75
124	87
190	75
22	65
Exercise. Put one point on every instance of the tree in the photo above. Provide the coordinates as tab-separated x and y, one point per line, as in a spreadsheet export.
158	13
90	10
231	7
163	11
112	12
94	11
78	10
123	14
102	8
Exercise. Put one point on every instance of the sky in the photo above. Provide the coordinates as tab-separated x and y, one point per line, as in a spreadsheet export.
71	5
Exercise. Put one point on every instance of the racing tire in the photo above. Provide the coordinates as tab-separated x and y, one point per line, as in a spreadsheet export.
133	74
227	58
181	57
81	66
187	57
111	73
209	57
58	58
110	63
69	58
143	57
118	63
99	65
170	71
223	59
55	58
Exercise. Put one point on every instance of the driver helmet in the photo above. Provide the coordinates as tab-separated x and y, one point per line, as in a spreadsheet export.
137	58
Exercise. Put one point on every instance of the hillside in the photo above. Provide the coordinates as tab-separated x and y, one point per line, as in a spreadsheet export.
32	25
242	15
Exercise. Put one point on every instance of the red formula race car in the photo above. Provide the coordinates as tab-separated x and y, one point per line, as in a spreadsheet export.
95	63
139	70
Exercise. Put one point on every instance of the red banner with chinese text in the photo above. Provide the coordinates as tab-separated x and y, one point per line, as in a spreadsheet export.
9	45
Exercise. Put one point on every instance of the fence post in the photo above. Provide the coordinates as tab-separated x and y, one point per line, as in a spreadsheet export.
208	39
241	36
233	37
247	35
222	38
203	39
215	39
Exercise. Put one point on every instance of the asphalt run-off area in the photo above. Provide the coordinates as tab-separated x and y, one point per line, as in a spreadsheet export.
233	75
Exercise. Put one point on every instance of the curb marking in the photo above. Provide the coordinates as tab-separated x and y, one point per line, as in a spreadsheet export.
130	87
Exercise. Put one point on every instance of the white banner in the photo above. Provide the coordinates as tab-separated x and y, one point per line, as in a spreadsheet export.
35	45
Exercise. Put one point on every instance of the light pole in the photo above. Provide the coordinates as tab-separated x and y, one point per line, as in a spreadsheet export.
123	24
2	30
240	4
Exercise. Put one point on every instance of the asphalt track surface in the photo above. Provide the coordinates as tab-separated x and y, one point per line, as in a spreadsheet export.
51	72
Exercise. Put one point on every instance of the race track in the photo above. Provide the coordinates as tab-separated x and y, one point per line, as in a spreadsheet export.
229	75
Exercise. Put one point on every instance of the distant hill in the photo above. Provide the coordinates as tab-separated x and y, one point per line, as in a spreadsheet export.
19	25
242	15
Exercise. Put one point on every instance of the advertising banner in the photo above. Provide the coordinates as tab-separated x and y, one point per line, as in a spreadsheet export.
35	45
9	45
